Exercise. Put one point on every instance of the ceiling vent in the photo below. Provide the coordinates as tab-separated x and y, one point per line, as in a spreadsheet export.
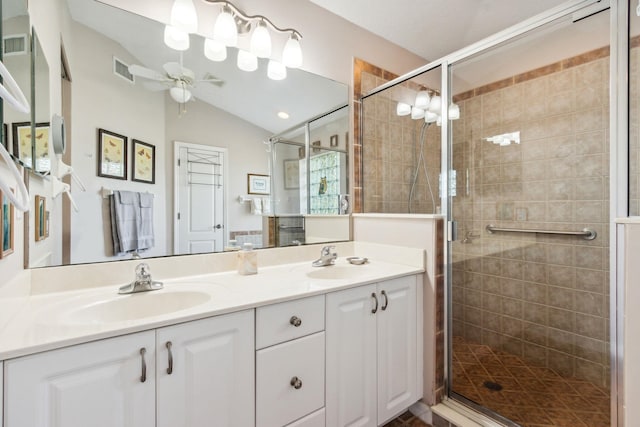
121	70
15	44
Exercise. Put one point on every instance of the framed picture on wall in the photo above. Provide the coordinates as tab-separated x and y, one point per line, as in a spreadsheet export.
143	166
258	184
7	218
291	174
333	141
40	230
21	132
112	155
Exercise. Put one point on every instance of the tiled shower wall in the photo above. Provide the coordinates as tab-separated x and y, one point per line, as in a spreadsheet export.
390	148
544	298
634	126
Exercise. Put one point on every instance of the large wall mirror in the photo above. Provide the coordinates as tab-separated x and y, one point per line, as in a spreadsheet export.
191	163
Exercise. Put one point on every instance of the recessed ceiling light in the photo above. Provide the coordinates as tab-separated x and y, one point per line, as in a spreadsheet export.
283	115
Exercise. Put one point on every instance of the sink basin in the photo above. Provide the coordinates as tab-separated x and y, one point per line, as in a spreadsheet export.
136	306
337	272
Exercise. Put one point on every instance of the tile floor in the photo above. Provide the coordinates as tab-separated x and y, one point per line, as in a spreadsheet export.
529	395
406	420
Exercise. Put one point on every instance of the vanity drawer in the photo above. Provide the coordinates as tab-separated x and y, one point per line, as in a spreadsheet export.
277	323
312	420
289	381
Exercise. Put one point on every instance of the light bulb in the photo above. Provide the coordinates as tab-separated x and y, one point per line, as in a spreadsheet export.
422	99
292	53
225	29
215	50
454	112
417	113
403	109
180	93
184	16
175	38
247	61
436	104
430	117
260	44
276	70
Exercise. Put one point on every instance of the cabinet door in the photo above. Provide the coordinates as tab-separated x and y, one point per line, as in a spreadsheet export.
212	378
397	347
98	384
351	357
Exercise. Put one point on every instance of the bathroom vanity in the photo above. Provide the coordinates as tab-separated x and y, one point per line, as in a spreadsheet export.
293	345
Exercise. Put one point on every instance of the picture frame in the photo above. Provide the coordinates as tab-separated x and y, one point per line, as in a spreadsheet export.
333	141
7	225
258	184
40	229
143	164
316	144
112	155
291	174
22	145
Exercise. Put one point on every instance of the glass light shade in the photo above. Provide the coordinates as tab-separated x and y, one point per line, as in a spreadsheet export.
276	70
454	112
225	29
260	44
422	100
175	38
436	104
247	61
430	117
439	121
292	53
403	109
184	16
417	113
215	50
180	93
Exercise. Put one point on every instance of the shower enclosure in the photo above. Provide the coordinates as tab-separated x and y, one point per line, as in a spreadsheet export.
525	151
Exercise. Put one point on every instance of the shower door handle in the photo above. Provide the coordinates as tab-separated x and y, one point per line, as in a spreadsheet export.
452	231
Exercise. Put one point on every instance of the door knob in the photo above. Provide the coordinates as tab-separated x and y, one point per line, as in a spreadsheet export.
296	383
295	321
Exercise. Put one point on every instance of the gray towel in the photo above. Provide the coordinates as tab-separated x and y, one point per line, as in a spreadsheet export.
131	221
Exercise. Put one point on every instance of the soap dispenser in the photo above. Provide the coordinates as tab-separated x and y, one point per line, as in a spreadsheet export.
247	260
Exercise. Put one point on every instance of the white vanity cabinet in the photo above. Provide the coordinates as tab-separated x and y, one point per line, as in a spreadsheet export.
100	384
290	363
372	363
205	372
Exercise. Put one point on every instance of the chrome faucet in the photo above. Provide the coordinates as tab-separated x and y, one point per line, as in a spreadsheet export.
326	257
142	283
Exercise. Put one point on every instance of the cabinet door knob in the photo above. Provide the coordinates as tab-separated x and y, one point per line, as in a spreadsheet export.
143	377
295	321
386	301
296	383
374	310
170	368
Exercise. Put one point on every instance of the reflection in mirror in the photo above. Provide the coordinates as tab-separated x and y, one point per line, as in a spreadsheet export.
15	56
235	117
40	100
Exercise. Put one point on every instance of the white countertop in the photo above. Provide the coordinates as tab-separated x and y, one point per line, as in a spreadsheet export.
42	322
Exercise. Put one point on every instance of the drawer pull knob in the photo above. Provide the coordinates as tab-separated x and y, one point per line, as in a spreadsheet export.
374	310
295	321
386	301
170	368
143	376
296	383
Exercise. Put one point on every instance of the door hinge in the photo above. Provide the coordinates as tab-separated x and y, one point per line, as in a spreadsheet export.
452	231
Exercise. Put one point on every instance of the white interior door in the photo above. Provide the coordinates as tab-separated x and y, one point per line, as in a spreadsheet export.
200	220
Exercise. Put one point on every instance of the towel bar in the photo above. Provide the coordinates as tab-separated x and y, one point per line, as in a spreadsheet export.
585	233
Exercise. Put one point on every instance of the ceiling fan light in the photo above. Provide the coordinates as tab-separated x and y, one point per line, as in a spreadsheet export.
247	61
215	50
225	29
436	104
423	99
180	93
176	38
260	44
184	16
292	53
276	70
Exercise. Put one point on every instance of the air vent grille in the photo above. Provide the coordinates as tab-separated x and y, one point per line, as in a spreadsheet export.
121	70
14	45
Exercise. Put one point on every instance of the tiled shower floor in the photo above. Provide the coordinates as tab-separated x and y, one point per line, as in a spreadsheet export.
530	395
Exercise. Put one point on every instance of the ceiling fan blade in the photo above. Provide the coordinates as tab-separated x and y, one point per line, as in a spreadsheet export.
155	86
173	69
140	71
210	78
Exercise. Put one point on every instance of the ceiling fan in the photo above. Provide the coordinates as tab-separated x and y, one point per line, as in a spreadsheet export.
178	80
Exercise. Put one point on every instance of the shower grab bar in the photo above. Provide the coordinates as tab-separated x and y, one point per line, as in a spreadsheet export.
585	233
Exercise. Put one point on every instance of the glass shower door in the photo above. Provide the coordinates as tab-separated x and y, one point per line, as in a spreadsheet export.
529	309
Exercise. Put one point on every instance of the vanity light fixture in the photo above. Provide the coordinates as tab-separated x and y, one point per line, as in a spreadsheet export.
276	70
175	38
184	16
215	50
403	109
422	99
261	41
417	113
247	61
